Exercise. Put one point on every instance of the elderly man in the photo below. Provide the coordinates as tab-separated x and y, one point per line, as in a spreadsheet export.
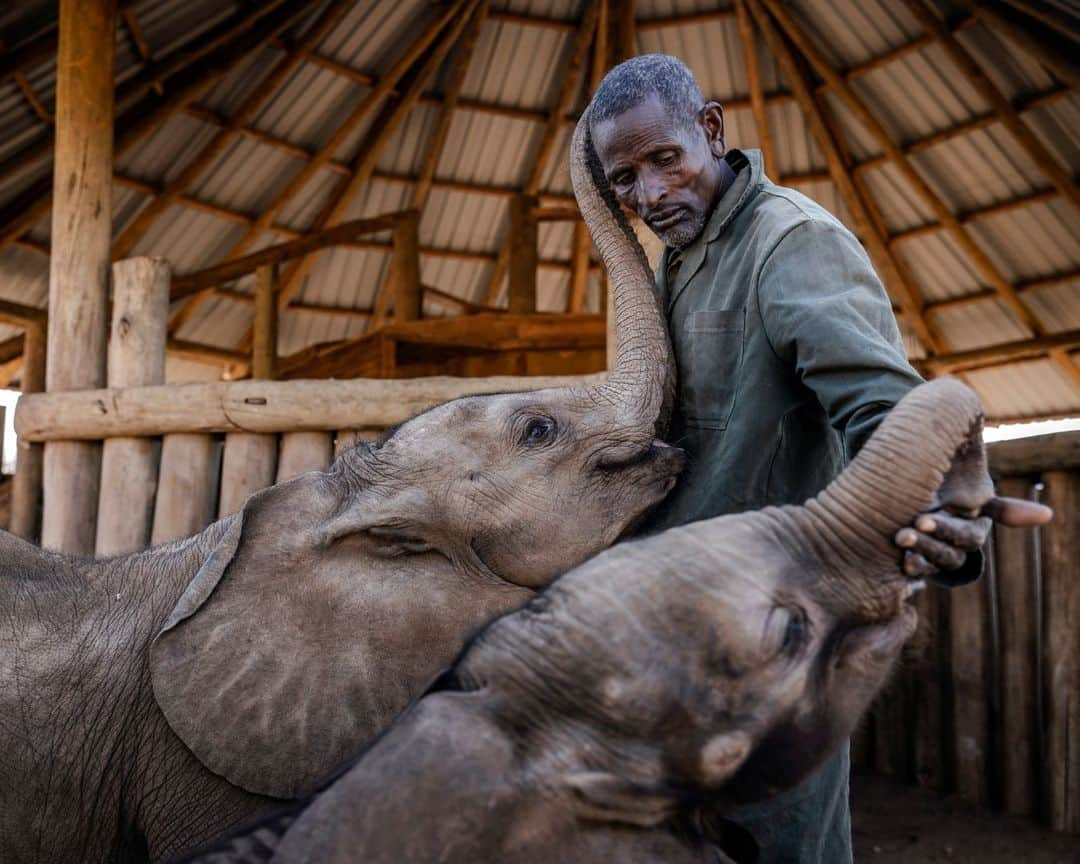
788	357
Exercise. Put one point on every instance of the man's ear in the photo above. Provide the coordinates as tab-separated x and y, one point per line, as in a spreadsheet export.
712	120
604	797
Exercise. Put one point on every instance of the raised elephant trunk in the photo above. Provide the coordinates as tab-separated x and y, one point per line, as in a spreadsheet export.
641	386
856	516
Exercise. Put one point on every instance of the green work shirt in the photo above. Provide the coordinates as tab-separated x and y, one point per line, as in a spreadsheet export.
787	350
788	356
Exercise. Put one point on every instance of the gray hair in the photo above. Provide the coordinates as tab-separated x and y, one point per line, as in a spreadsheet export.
632	82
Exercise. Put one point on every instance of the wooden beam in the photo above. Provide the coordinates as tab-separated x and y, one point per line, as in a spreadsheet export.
31	96
79	264
1039	196
1031	456
1052	50
886	262
405	269
757	92
993	355
253	406
20	314
211	355
523	255
984	86
567	88
265	328
268	87
1059	20
948	219
191	283
1022	286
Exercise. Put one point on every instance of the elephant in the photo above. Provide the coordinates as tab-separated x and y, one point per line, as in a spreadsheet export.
148	702
621	713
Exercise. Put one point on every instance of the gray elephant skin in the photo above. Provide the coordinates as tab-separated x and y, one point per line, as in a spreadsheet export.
151	701
621	713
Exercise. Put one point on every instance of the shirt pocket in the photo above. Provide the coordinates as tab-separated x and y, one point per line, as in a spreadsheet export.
709	358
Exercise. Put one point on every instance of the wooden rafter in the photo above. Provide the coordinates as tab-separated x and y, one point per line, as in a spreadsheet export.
973	72
891	270
389	120
1048	47
757	92
426	178
567	87
1006	352
948	219
31	96
141	119
267	88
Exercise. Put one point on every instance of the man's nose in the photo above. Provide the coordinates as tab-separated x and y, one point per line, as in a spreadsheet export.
651	190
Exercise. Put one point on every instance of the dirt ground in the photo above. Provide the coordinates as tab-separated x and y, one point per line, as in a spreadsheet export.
893	824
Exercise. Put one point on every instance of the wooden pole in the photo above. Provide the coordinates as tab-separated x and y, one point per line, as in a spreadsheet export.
79	264
303	451
969	616
1061	646
523	255
757	92
249	459
579	269
129	466
26	485
264	345
405	268
187	486
1017	597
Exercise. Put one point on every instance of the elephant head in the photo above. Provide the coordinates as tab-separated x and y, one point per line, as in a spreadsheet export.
331	599
707	666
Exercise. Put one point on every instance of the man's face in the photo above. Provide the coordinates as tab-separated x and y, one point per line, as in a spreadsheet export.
664	170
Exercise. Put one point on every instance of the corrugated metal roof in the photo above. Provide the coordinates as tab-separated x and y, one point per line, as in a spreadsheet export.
517	66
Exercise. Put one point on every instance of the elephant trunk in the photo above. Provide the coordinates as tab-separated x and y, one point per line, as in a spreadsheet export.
927	452
641	386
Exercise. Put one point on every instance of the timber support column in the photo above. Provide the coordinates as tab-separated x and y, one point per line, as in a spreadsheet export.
79	264
523	255
405	272
26	487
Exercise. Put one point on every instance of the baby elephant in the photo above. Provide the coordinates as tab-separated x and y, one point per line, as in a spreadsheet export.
626	708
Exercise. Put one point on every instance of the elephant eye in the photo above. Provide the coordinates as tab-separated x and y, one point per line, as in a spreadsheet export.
795	633
537	431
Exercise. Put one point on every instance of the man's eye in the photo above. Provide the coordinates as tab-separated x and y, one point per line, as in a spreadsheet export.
665	160
623	179
539	430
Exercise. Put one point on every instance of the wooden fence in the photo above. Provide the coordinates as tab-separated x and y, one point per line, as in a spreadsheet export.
987	702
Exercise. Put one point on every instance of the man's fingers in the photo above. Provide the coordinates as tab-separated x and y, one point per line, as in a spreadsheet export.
955	530
939	554
1017	512
917	567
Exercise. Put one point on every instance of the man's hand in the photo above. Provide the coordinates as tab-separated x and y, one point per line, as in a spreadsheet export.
940	540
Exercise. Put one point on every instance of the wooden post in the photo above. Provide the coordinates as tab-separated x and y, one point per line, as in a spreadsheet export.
968	624
136	358
264	343
1017	597
187	486
1061	646
405	267
303	451
249	459
26	486
79	264
523	254
927	676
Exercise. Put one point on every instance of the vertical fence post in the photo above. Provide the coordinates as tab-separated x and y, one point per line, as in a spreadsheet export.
136	358
968	623
26	486
523	255
79	262
249	460
1061	647
405	267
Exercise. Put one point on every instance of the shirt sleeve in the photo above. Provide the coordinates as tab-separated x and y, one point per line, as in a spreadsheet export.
826	313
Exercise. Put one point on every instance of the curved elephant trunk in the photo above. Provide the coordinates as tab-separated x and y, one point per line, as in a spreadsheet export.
641	386
929	443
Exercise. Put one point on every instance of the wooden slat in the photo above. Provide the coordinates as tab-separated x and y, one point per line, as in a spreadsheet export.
1035	454
1017	599
248	464
187	486
1061	646
129	466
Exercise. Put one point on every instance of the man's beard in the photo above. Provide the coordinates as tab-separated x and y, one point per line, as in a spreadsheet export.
685	232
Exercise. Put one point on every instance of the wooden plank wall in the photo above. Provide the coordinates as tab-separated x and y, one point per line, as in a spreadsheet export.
986	704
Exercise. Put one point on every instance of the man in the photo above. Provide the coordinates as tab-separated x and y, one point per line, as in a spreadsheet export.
788	357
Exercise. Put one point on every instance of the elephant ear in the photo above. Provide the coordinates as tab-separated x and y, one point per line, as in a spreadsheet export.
262	668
